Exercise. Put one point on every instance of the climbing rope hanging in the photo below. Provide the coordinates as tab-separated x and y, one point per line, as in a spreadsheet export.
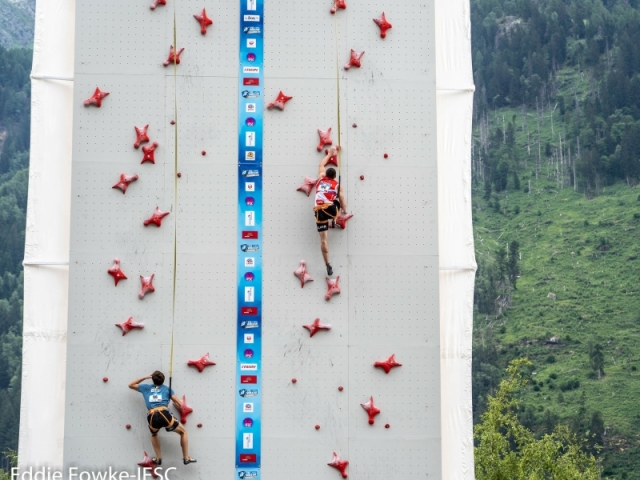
338	142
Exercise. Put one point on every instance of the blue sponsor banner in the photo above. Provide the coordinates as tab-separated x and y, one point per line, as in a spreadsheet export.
249	297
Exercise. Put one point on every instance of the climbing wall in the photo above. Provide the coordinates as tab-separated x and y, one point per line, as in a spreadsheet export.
318	394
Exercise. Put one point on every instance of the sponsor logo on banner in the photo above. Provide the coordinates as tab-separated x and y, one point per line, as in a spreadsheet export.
250	122
247	440
248	458
250	173
250	186
249	277
250	155
250	93
252	43
244	393
249	294
251	5
248	353
252	18
251	57
250	107
248	422
249	248
251	30
249	201
249	220
248	338
242	474
249	311
249	262
250	139
248	367
247	407
251	379
251	81
251	234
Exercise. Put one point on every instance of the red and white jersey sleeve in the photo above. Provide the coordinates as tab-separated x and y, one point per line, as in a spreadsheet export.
326	190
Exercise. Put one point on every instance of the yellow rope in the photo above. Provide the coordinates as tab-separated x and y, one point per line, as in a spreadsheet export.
335	24
175	189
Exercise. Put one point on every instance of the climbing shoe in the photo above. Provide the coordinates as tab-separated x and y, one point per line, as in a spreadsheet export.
189	460
329	269
157	461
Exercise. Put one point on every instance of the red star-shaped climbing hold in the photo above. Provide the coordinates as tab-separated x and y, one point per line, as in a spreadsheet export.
383	24
148	463
96	98
325	138
115	271
148	153
279	102
308	185
141	136
333	287
316	326
204	21
341	221
173	56
371	409
184	410
156	3
147	286
302	274
354	61
340	465
124	182
156	218
129	325
338	4
388	364
201	363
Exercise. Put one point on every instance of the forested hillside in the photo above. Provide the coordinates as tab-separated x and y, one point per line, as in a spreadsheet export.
556	208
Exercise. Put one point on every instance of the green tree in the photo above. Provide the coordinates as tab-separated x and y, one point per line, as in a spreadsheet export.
596	358
506	450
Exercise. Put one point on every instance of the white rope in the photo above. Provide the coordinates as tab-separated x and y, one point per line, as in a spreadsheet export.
50	77
470	88
459	268
37	264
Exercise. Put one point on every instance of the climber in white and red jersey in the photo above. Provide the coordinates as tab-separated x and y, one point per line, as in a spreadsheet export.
329	202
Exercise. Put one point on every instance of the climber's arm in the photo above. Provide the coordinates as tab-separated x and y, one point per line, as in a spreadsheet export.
134	385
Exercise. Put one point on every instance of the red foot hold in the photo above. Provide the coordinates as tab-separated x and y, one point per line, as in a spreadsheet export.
354	125
293	380
340	465
388	364
279	101
173	122
141	136
317	427
316	326
386	155
308	185
156	3
127	426
333	287
199	425
361	177
204	152
340	388
371	409
302	273
105	379
383	24
148	463
156	218
338	4
149	153
96	98
354	61
147	286
333	160
179	175
124	182
115	271
342	219
325	138
204	21
173	56
184	410
129	325
387	425
201	363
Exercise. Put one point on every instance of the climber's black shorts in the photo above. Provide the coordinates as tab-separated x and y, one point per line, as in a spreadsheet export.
325	216
162	419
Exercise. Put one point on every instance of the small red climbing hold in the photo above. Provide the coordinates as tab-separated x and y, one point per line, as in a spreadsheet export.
156	3
317	427
149	153
204	21
354	60
129	325
388	364
204	153
383	24
173	56
371	409
179	174
386	155
340	465
96	98
199	425
308	185
387	425
147	285
148	463
355	125
325	138
293	380
184	410
105	379
173	122
127	426
361	177
316	326
302	274
141	136
333	287
124	182
201	363
341	221
115	271
156	218
338	4
279	101
340	388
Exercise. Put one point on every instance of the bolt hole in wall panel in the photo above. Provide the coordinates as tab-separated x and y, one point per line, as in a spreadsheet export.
386	258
